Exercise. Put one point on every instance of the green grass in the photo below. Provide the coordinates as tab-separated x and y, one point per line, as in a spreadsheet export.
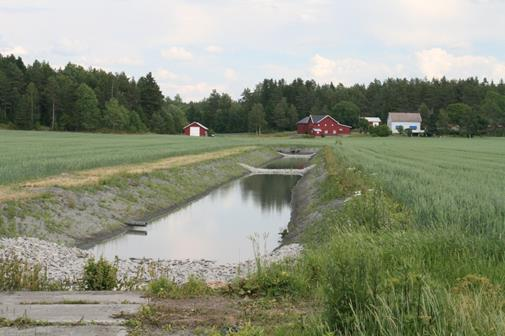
444	182
420	254
27	154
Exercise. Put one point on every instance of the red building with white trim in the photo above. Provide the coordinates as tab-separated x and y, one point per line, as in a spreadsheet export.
195	129
322	125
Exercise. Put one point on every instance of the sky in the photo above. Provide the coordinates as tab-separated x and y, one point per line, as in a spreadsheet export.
195	46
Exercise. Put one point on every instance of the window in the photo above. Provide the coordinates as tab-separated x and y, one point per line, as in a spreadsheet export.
326	132
413	127
334	132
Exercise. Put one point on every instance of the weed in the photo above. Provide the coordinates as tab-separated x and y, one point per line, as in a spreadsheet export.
16	274
165	288
99	275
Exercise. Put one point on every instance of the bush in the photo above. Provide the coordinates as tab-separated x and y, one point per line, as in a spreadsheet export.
380	131
99	275
8	126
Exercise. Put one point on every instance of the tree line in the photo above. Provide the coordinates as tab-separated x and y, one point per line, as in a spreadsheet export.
36	96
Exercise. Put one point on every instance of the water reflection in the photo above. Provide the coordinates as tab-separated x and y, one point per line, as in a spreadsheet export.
270	192
288	163
216	226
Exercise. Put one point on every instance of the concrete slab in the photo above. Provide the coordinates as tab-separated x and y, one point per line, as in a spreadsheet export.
66	331
59	297
70	307
68	313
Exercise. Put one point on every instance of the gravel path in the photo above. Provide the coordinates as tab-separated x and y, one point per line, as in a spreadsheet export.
66	264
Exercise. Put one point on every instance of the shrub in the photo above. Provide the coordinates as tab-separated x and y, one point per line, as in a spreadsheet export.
341	180
246	330
166	288
99	275
380	131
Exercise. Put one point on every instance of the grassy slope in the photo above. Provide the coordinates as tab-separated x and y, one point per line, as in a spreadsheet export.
76	214
396	260
423	258
28	155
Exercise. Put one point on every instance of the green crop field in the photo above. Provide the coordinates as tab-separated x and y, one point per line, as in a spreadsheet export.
421	252
444	181
27	155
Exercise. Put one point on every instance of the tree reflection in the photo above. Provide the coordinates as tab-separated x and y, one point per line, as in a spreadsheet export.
271	192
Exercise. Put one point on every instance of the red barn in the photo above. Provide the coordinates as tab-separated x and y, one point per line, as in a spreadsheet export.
195	129
321	125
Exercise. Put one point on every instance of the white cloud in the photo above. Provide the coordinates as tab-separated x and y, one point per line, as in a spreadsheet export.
213	49
69	47
191	91
230	74
106	62
437	62
17	51
351	70
166	74
177	54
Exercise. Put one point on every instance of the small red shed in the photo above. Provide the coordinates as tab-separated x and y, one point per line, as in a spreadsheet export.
321	125
195	129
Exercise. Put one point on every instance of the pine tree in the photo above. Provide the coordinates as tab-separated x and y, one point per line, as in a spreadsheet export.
151	98
280	115
86	108
23	119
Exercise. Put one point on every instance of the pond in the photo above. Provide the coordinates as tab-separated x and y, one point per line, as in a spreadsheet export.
219	225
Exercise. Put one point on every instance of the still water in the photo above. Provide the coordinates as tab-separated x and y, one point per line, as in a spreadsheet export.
218	226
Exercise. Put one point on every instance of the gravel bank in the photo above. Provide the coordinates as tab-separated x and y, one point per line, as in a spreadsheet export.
66	264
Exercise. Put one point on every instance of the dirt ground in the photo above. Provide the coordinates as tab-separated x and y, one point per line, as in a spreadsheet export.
219	313
93	176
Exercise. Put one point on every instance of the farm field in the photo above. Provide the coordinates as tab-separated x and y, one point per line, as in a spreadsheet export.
420	252
444	181
27	155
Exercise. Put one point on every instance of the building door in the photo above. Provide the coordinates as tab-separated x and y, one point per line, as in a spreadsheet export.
194	131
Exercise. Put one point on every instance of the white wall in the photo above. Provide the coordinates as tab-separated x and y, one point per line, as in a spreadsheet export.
395	124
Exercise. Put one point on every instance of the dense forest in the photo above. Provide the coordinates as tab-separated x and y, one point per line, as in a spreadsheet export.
37	96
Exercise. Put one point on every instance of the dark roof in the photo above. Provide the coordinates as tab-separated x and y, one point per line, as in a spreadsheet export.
405	116
304	120
315	119
318	118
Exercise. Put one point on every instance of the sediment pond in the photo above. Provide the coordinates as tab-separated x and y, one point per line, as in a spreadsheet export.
218	226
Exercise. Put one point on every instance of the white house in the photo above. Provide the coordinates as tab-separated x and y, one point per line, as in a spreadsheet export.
406	120
373	121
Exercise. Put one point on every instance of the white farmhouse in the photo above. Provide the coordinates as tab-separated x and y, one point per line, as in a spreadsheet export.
412	121
373	121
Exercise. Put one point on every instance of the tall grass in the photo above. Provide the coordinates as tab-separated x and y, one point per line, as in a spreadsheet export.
16	274
395	260
444	182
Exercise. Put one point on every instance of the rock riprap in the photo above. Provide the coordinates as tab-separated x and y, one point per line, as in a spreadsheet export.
66	264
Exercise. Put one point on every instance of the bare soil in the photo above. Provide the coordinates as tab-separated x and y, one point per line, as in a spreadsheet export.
217	313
